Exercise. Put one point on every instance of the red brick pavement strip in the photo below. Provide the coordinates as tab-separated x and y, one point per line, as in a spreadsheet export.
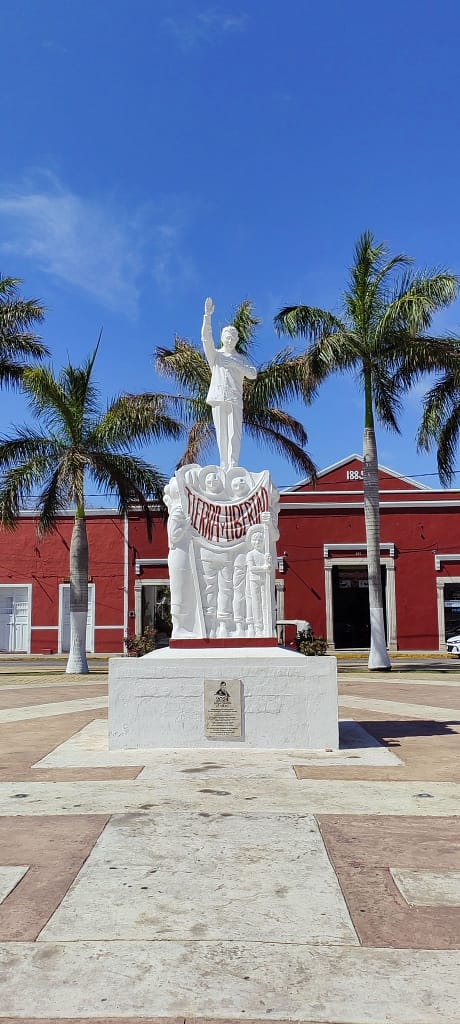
26	697
363	848
408	693
55	847
22	744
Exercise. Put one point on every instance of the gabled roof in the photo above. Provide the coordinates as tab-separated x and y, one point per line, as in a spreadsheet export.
353	458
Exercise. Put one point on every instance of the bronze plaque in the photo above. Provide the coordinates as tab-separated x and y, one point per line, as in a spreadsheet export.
222	709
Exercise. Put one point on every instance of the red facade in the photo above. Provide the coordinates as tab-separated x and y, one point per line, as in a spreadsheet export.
322	576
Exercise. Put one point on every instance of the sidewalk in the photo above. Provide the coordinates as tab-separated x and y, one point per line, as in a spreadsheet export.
231	886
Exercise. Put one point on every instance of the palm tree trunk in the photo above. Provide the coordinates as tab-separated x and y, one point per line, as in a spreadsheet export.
378	655
77	662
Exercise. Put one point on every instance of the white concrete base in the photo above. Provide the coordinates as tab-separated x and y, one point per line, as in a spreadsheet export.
288	701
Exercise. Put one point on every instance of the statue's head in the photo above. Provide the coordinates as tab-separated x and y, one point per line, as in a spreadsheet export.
239	486
213	483
257	540
229	338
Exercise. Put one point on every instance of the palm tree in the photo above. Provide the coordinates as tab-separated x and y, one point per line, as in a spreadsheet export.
18	344
79	441
440	422
282	378
381	337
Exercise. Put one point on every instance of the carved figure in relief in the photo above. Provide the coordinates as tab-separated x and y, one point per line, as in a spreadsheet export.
211	482
217	590
239	487
225	395
258	583
184	610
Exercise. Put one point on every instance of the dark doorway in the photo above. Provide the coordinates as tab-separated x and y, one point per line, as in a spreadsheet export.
452	609
350	597
156	611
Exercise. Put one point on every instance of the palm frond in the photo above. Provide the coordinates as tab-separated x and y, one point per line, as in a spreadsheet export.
135	420
246	323
411	358
54	498
415	300
279	420
78	441
285	377
284	446
47	399
200	439
186	365
307	322
17	484
400	260
439	405
447	447
368	262
25	447
27	311
81	392
340	351
131	479
18	343
387	402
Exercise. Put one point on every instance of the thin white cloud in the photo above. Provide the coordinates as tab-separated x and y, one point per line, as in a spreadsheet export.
170	261
202	26
418	391
91	245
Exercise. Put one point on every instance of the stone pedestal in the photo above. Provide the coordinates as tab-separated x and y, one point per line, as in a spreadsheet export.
287	701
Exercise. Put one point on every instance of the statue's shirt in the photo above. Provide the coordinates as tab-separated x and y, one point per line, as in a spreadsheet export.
227	376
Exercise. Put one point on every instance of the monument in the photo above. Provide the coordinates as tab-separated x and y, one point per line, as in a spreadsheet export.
224	679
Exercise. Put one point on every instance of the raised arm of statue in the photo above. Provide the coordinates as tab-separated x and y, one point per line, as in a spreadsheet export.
206	332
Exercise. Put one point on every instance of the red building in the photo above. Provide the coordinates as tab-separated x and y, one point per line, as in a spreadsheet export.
321	577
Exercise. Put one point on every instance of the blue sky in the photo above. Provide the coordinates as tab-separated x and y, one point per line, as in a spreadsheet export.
157	152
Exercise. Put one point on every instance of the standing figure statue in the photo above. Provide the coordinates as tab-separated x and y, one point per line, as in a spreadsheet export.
258	584
225	395
184	612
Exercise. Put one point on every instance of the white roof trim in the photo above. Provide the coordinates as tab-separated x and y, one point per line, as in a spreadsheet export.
335	465
349	458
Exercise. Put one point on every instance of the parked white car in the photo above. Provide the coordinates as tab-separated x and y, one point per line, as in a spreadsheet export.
453	645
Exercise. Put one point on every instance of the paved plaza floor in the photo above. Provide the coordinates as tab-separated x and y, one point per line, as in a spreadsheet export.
226	885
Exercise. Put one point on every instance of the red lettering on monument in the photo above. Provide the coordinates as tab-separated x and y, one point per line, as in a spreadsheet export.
225	522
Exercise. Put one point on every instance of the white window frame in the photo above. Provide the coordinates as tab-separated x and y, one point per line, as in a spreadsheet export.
138	598
28	587
345	562
440	584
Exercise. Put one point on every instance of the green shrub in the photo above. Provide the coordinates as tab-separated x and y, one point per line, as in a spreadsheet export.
141	643
309	644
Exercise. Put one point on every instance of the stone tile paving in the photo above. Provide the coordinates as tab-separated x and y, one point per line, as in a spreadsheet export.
193	886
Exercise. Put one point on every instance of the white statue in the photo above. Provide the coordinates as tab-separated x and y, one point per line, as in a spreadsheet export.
223	521
225	395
